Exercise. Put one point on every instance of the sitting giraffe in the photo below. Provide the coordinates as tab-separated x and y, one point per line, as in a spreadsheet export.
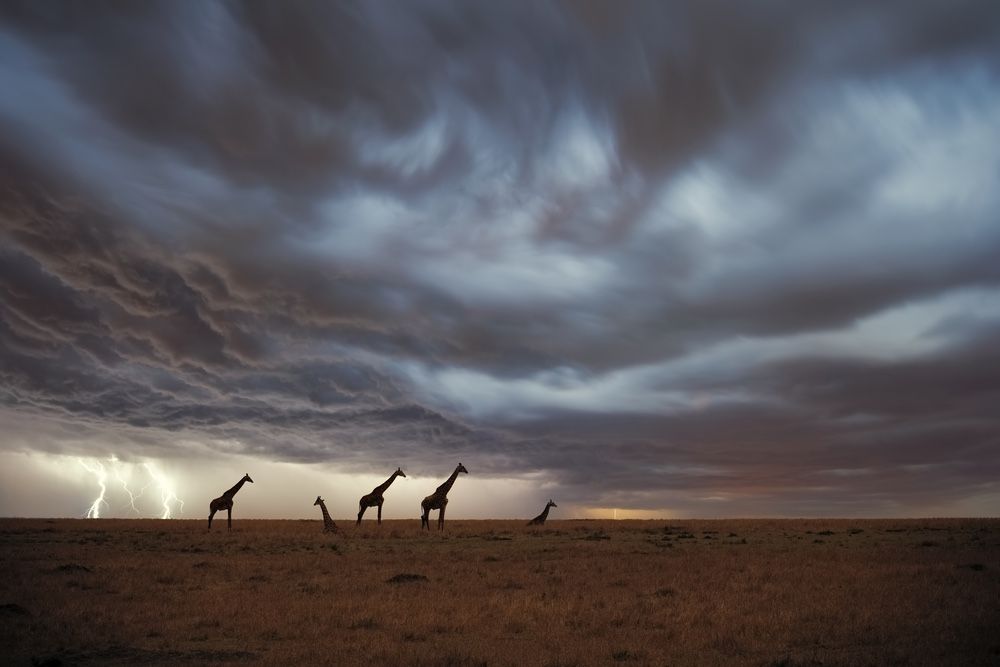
439	500
540	519
328	525
225	502
375	499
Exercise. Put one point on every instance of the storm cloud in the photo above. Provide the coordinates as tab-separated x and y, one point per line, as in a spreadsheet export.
714	258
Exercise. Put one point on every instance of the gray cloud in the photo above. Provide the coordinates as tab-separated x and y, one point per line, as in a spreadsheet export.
727	259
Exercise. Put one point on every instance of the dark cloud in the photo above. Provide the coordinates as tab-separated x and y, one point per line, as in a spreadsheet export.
733	259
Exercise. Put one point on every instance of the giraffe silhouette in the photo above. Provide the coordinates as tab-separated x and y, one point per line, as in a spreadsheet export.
375	499
540	519
439	500
225	501
328	525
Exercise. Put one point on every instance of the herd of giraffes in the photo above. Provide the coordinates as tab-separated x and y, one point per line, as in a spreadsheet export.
436	501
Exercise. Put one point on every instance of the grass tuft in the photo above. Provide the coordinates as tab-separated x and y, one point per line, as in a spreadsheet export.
12	609
72	567
364	624
625	656
405	578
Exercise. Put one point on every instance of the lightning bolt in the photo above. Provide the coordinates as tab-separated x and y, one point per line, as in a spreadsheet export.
116	467
96	468
166	486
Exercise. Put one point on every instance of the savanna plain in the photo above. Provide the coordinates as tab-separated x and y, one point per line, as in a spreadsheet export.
725	592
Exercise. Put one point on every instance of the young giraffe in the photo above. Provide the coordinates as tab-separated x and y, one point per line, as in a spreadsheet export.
439	500
225	501
328	525
540	519
375	499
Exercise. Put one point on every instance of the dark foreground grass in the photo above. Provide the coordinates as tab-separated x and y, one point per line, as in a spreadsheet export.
795	592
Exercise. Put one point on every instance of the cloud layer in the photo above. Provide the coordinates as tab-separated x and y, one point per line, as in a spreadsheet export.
729	260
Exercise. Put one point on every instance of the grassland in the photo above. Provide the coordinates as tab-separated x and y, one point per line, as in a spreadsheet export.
795	592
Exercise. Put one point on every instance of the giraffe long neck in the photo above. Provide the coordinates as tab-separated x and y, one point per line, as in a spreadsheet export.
232	492
326	515
385	485
545	513
446	487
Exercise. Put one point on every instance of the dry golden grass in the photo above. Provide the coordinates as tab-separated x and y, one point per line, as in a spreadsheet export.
796	592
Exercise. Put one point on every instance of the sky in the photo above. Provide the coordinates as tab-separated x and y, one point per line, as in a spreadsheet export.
652	259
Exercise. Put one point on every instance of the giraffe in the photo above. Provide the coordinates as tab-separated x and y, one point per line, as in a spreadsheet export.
225	501
540	519
328	525
439	500
375	499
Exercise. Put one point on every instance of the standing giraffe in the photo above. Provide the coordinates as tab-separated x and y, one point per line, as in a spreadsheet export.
540	519
328	525
225	502
375	499
439	500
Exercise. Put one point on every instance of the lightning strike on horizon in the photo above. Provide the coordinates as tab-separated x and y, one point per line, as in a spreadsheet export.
166	486
96	468
116	467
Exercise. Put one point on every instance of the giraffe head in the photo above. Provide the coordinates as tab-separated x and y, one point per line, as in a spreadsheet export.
461	468
551	504
246	478
319	501
399	471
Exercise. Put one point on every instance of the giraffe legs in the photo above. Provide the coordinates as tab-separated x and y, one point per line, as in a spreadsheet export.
441	517
210	515
230	512
361	513
425	519
380	514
